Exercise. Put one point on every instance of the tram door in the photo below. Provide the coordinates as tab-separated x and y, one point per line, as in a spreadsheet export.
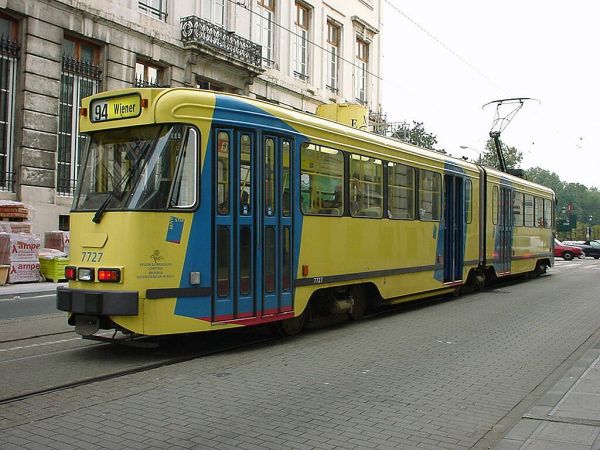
252	226
505	225
454	228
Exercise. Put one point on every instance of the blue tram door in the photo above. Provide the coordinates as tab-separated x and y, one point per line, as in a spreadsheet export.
454	228
252	226
505	226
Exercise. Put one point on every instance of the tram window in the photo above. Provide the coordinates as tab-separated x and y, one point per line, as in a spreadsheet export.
223	173
495	205
518	209
223	262
245	261
401	191
539	212
285	183
469	200
430	195
322	180
184	189
245	175
529	221
157	175
548	223
286	270
270	257
366	186
269	177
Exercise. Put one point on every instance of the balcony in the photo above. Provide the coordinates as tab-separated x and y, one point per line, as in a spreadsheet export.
212	40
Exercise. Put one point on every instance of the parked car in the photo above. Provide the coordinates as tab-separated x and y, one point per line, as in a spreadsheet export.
567	252
591	248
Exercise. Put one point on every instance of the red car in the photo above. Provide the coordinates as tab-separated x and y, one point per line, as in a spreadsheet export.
567	252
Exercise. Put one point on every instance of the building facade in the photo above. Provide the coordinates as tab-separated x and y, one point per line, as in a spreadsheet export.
296	53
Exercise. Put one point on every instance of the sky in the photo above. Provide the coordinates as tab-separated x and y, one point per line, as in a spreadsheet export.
443	60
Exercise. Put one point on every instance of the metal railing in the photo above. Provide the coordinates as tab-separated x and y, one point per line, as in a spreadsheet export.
195	30
65	186
140	82
7	181
160	12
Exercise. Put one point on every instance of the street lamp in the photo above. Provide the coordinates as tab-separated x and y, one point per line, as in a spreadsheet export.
589	228
466	147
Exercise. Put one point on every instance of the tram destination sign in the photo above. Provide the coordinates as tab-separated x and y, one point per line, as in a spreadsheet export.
115	108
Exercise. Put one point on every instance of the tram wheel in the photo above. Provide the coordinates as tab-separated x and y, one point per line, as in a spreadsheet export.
293	326
360	302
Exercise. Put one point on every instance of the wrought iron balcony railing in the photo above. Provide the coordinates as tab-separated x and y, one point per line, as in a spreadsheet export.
195	30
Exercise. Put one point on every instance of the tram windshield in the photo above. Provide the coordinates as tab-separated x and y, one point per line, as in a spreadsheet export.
138	168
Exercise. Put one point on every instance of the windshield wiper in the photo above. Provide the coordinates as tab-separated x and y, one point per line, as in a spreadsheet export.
100	212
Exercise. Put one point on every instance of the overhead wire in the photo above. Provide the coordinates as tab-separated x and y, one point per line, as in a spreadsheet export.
444	46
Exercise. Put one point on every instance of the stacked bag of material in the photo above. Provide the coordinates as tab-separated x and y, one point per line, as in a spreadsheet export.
57	240
19	249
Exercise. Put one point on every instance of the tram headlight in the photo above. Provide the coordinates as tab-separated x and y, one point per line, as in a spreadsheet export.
85	274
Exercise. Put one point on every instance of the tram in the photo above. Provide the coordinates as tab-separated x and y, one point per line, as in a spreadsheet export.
197	211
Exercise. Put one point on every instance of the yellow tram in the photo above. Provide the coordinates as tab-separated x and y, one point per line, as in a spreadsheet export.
198	211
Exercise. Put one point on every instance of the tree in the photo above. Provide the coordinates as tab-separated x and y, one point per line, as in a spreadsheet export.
546	178
512	156
416	135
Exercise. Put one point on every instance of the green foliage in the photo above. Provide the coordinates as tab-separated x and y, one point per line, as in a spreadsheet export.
584	202
512	156
416	135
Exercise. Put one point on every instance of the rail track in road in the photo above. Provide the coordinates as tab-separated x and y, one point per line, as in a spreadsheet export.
233	341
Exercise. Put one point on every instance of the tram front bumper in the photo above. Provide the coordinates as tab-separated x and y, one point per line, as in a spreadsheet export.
104	303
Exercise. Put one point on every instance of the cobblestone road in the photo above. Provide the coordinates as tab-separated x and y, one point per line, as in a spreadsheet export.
440	376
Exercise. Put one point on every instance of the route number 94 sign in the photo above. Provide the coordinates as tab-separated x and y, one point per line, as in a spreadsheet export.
115	108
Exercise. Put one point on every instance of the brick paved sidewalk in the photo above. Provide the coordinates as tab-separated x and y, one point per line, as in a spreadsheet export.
568	416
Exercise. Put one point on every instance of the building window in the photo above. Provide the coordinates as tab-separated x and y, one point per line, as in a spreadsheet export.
147	75
214	11
333	57
9	49
361	68
154	8
80	78
208	85
265	23
301	47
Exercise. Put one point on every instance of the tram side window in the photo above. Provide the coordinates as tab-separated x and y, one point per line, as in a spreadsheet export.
223	173
495	205
269	189
529	221
518	209
184	190
548	222
539	212
245	175
430	190
469	200
401	191
366	186
322	180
